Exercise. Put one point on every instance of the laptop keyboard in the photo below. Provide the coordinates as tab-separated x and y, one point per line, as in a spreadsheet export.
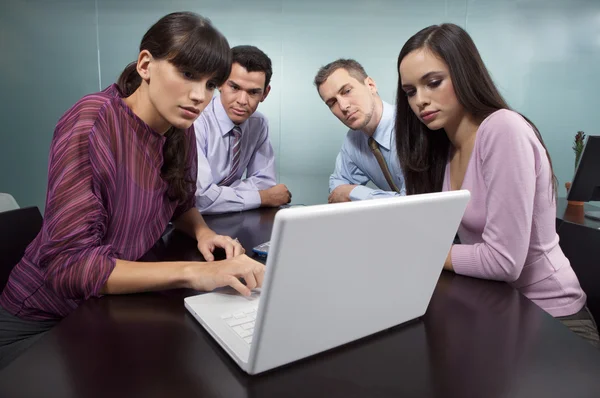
242	322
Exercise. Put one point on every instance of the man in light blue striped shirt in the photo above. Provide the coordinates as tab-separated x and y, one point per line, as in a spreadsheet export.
352	97
237	174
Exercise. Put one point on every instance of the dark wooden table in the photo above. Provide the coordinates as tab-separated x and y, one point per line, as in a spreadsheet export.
477	339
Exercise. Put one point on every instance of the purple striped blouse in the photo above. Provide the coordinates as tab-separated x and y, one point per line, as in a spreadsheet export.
105	201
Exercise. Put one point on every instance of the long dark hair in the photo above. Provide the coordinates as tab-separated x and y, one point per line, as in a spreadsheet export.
423	153
189	42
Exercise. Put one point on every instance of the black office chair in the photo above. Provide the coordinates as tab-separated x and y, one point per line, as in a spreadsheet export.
580	245
17	229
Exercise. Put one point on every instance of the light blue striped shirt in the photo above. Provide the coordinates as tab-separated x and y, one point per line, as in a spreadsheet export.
213	139
356	164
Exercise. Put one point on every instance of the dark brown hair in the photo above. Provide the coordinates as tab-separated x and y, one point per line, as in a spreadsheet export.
354	69
423	153
190	43
253	60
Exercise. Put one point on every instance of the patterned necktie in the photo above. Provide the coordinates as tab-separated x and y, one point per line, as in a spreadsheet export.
379	156
234	155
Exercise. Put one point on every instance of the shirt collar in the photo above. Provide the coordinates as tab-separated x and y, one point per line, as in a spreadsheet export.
385	128
225	123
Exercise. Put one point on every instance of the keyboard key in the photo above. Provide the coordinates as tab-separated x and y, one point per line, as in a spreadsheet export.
242	333
238	329
239	321
242	322
248	325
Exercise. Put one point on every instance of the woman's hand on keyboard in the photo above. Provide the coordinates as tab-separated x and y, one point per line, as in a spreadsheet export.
208	276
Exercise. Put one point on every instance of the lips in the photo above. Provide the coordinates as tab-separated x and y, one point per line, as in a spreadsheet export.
191	109
428	113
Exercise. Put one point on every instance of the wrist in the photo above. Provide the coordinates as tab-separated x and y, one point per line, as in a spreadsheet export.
185	274
264	198
357	192
202	232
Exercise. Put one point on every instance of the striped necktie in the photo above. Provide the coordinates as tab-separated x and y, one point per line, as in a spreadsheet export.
235	146
384	169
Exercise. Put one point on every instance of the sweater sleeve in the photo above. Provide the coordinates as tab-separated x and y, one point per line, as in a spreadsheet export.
76	259
507	158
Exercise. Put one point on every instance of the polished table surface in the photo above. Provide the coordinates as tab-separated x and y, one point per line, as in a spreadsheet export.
477	339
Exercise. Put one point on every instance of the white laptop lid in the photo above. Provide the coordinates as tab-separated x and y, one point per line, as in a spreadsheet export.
336	273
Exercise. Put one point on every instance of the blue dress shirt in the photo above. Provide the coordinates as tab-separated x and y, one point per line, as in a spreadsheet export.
356	164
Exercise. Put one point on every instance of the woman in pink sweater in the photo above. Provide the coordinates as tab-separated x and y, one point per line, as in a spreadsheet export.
455	131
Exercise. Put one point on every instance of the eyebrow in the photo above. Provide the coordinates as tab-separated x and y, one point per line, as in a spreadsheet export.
254	90
424	77
345	86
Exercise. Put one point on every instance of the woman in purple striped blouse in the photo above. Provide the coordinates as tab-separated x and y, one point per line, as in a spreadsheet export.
122	165
455	131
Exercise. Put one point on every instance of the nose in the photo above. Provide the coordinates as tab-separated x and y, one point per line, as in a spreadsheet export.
421	100
199	93
242	97
344	104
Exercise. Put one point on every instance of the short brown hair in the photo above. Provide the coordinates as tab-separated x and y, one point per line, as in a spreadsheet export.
354	69
253	60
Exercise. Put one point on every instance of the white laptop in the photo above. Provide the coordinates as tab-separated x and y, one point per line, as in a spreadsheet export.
335	273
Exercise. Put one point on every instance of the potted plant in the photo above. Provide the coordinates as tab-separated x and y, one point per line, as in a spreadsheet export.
578	145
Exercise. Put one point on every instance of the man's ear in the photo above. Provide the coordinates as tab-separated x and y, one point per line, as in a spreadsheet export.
143	64
371	84
267	91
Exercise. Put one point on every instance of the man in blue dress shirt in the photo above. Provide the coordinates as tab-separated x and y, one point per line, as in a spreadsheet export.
369	150
233	138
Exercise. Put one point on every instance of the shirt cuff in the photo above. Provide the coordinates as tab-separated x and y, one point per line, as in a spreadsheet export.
360	192
251	199
464	260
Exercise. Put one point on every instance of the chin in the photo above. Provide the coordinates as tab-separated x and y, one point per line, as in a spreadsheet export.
435	125
237	119
359	126
356	125
182	124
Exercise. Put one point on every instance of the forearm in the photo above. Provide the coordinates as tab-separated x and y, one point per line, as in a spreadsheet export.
134	277
362	192
258	179
346	172
336	180
448	263
191	222
482	260
216	200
